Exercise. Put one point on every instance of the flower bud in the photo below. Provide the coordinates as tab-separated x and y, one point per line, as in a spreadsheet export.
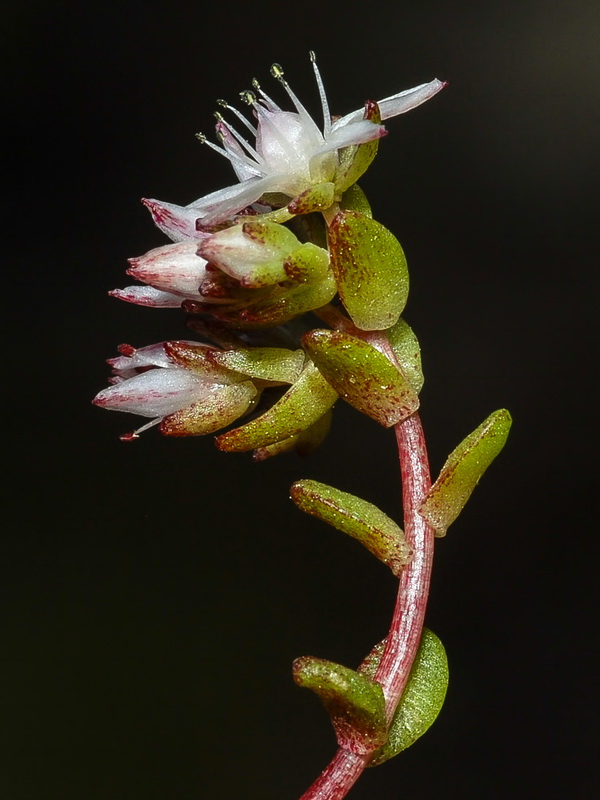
185	399
255	252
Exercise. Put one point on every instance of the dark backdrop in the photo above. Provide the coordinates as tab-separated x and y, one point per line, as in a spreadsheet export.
155	594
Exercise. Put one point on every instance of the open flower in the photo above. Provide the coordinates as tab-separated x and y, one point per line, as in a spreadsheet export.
290	154
175	385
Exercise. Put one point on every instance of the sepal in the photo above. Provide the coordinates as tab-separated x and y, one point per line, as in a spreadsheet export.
362	375
356	159
462	471
353	701
356	517
316	198
215	411
370	270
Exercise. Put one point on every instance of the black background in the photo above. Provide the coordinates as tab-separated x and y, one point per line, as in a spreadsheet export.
155	594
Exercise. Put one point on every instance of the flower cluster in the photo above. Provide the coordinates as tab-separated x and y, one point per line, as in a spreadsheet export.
290	236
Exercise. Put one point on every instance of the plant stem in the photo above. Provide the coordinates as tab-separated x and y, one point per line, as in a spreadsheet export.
404	636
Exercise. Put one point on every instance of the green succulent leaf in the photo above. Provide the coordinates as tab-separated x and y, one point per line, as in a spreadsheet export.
370	270
356	517
354	199
356	159
408	352
462	471
354	702
304	443
422	699
264	363
301	406
362	375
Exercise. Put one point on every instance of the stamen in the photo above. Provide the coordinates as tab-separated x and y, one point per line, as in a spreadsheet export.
248	97
322	95
239	115
270	104
238	137
277	72
240	159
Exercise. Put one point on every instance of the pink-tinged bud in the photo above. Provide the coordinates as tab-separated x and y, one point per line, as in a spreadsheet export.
253	251
151	383
174	268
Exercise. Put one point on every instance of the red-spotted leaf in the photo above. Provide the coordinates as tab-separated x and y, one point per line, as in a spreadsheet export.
356	517
354	702
362	375
462	471
370	270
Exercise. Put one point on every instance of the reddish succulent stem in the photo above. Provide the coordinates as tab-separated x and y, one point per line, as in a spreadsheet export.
403	639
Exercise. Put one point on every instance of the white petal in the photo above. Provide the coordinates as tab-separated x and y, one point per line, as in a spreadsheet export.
409	99
397	103
225	203
177	222
355	133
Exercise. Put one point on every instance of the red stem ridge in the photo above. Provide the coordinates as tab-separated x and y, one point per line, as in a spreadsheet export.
404	636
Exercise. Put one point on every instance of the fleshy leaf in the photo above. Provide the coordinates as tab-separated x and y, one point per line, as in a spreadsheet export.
302	405
217	410
354	702
408	352
356	159
264	363
356	517
370	270
462	471
304	443
362	375
354	199
422	699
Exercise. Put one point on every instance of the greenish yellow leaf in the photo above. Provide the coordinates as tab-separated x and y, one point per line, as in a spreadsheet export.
356	517
408	352
462	471
422	699
354	703
370	270
362	375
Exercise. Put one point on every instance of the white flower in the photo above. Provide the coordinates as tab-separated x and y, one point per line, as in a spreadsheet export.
186	401
290	154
